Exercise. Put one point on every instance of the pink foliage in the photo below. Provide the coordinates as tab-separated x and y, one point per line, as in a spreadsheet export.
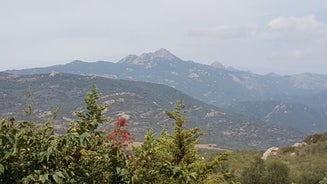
120	136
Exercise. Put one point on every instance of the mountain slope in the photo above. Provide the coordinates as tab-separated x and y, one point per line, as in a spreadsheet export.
283	114
144	104
214	84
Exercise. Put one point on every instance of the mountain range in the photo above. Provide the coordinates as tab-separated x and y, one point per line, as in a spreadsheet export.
143	103
292	101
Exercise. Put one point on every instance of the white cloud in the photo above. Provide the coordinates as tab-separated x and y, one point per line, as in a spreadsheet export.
225	32
244	34
303	41
298	28
284	44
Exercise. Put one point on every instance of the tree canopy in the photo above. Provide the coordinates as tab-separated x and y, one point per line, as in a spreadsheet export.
34	153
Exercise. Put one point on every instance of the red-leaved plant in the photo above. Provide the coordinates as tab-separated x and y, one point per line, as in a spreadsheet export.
120	136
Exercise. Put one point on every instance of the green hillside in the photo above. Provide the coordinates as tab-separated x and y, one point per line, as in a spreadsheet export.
144	104
307	163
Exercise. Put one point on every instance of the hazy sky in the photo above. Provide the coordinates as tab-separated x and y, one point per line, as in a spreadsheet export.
282	36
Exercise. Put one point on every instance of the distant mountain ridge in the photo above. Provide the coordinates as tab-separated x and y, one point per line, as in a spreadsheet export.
283	114
213	84
147	58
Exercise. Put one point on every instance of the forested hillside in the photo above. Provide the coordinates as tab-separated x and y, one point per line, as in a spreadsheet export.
143	103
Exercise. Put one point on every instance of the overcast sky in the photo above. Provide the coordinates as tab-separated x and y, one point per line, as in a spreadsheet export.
282	36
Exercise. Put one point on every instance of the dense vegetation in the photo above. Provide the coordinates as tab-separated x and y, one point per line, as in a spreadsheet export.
34	153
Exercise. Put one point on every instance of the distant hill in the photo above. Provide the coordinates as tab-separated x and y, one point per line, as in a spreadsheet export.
213	84
144	104
284	114
317	101
218	85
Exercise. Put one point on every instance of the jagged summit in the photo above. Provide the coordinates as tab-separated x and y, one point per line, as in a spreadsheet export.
217	64
146	58
164	53
77	62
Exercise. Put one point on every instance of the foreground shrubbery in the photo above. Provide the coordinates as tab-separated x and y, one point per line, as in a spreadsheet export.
32	153
302	165
270	172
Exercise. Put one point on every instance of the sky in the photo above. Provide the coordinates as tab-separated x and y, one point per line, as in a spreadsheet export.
262	36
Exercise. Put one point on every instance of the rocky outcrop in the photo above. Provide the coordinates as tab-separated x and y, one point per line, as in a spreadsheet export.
271	151
299	144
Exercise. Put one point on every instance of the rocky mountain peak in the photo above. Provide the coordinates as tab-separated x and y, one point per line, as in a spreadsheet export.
150	58
163	53
217	64
128	59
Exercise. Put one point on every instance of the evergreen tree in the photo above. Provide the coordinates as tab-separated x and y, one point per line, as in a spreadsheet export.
173	158
31	153
93	117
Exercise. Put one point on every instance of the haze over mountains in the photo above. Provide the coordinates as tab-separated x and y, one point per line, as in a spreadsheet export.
295	101
256	110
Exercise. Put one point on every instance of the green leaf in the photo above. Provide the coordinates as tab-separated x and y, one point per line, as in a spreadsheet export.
7	155
11	139
43	178
193	175
176	170
2	169
58	177
59	173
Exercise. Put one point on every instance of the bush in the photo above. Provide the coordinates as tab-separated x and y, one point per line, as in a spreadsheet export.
31	153
277	172
316	138
254	173
289	149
